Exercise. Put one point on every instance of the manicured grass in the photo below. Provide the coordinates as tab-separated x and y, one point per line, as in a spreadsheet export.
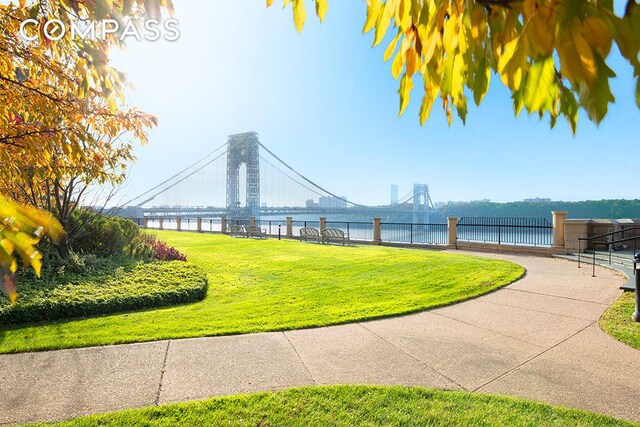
268	285
110	286
354	406
616	321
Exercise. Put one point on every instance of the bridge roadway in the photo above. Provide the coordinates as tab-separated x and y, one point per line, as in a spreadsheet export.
204	212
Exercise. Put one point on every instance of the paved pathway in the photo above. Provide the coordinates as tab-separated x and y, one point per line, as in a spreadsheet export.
537	338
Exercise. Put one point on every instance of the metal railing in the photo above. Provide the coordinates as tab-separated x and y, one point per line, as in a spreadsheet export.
506	230
356	230
610	242
430	234
273	227
297	225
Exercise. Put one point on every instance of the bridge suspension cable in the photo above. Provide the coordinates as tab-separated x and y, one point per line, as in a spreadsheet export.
175	176
178	174
309	181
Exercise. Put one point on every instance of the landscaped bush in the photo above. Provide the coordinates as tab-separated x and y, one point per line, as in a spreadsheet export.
99	234
107	286
164	252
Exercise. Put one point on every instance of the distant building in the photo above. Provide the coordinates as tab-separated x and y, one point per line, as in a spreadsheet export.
537	200
332	202
311	204
394	194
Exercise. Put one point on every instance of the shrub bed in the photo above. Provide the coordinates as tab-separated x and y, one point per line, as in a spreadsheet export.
114	285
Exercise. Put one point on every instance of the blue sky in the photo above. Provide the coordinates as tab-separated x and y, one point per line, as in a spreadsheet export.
325	102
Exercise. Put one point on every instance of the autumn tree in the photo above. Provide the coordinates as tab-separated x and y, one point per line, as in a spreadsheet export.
64	121
552	55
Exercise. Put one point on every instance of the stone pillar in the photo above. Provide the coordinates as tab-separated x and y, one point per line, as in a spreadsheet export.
252	220
323	224
452	224
223	224
558	228
145	222
289	227
574	229
178	223
377	235
160	221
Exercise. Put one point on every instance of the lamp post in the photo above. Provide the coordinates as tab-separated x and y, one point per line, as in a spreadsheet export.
636	267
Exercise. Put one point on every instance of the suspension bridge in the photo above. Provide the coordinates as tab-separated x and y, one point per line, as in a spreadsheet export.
242	178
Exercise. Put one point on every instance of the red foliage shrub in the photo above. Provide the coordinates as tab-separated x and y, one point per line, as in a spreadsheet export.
164	252
160	250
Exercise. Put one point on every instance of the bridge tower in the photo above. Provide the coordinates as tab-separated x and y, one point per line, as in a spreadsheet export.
243	148
422	203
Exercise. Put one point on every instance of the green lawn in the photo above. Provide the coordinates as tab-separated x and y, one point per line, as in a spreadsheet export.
616	321
268	285
354	406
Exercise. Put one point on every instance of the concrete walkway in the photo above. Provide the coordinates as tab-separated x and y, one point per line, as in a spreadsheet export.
537	338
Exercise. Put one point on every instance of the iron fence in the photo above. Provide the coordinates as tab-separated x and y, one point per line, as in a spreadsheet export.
506	230
362	231
297	225
273	227
426	234
500	230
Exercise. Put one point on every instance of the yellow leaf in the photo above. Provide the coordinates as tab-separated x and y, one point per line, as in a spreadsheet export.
478	24
430	92
406	84
299	14
382	23
321	9
512	63
398	63
541	35
576	57
392	47
450	37
412	61
597	34
269	3
373	10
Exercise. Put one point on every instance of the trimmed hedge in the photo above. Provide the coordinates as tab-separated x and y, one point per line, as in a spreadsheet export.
122	288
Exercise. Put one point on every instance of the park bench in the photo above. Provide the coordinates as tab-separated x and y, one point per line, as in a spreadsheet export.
254	231
237	230
334	234
309	233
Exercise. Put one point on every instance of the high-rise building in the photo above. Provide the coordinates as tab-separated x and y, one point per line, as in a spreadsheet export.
394	194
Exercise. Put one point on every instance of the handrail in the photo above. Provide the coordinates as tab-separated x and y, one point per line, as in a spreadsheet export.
611	233
610	244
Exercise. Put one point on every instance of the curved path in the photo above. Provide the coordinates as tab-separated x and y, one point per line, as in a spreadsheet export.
537	338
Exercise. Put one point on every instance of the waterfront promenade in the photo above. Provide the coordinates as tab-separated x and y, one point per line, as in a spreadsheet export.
537	338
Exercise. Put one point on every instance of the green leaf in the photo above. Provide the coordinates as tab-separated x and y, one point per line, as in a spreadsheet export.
103	7
569	108
638	92
482	77
453	78
595	99
34	11
540	89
